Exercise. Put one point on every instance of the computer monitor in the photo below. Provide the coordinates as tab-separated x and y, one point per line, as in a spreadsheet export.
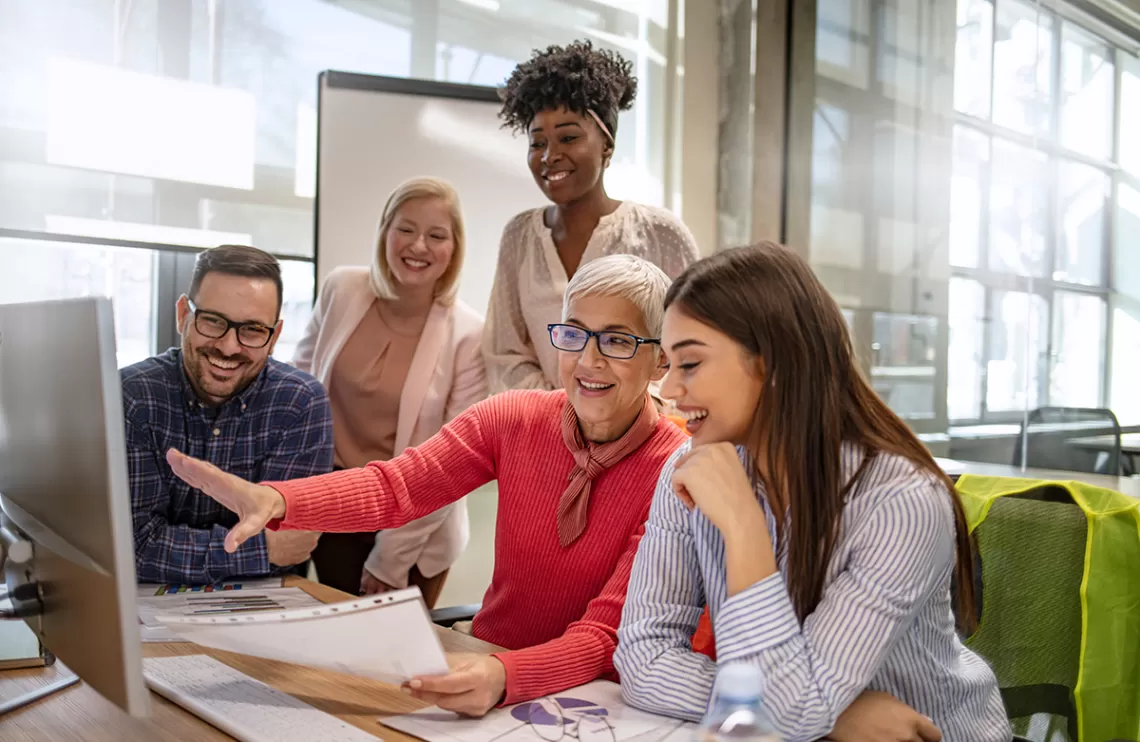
66	517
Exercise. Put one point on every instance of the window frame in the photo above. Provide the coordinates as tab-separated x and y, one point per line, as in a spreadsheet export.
174	267
879	100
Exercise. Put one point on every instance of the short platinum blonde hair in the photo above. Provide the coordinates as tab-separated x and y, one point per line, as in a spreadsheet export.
381	278
626	276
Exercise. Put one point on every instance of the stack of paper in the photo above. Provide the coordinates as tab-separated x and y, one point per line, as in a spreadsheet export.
388	636
220	602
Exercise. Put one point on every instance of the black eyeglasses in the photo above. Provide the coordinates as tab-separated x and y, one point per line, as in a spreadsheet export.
620	345
214	326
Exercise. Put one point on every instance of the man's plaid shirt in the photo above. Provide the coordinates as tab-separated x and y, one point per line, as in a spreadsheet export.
278	428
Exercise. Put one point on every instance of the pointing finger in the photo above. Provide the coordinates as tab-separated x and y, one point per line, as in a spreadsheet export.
182	466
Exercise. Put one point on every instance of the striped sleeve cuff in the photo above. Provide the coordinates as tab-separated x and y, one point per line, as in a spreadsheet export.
755	620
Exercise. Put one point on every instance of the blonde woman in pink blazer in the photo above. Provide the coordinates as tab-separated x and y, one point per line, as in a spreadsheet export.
400	356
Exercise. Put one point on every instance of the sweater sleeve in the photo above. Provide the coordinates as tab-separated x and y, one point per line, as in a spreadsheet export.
390	494
583	653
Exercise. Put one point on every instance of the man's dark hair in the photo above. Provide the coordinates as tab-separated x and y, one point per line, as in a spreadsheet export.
576	76
236	260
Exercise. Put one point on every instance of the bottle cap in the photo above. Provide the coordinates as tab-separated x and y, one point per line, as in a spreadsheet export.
739	682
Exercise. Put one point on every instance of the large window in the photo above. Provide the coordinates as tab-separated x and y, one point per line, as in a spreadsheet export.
130	131
32	270
878	233
975	204
1030	203
1124	392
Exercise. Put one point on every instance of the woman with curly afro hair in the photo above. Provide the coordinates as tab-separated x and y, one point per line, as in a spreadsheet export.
566	99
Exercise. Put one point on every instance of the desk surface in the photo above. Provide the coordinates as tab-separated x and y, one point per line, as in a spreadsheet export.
1127	485
1129	442
81	713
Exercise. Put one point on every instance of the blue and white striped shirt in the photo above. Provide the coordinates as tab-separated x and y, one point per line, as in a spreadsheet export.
884	622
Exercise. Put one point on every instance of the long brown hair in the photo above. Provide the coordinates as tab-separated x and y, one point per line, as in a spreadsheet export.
767	299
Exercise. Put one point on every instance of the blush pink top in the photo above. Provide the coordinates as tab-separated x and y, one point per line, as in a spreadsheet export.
365	385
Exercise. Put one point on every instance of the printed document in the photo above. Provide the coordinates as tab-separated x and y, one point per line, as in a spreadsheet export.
387	637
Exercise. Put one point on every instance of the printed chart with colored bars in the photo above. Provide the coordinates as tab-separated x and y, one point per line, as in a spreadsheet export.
148	589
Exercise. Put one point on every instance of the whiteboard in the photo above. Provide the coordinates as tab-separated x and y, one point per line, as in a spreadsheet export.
375	132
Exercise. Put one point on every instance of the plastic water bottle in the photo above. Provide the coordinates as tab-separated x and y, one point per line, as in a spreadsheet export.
736	713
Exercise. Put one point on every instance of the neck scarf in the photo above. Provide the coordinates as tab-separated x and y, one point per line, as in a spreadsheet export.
590	460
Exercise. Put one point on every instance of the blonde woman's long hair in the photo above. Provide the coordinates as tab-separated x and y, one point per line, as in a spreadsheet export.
381	278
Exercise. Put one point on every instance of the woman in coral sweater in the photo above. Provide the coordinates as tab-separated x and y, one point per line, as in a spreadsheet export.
576	470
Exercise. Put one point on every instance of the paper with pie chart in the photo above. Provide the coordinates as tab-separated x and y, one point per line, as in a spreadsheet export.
589	713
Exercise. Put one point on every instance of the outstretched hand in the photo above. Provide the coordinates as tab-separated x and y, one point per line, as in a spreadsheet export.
254	504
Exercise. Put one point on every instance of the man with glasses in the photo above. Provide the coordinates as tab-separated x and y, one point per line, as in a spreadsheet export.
223	397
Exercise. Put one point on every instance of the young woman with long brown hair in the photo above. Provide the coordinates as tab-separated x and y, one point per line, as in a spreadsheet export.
817	528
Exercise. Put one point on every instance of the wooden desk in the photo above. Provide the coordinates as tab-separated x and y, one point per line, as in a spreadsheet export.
1127	485
79	713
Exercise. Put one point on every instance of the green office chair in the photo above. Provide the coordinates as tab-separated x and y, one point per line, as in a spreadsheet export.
1059	568
1032	550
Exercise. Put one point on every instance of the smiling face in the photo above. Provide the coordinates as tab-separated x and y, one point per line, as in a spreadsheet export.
220	368
567	154
420	243
714	381
607	393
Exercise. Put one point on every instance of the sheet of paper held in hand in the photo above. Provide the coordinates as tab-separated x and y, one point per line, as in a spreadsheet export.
388	637
593	712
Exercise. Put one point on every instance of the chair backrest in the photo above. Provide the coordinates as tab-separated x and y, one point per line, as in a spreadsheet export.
1070	438
1031	549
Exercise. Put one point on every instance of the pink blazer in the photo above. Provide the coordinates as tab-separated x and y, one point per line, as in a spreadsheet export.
447	376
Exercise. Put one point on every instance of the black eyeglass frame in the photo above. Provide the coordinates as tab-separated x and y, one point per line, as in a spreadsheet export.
230	324
590	334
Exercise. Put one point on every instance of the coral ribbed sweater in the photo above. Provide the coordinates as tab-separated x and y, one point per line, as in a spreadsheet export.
557	608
